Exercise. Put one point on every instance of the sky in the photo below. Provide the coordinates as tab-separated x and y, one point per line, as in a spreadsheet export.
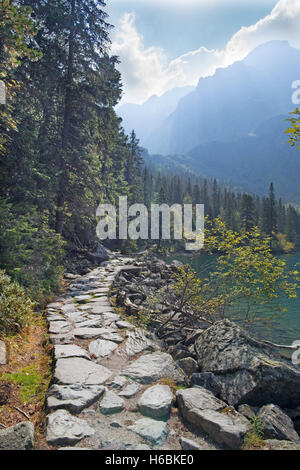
163	44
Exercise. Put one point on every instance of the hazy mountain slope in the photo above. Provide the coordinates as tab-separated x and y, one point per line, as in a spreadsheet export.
249	163
147	119
231	103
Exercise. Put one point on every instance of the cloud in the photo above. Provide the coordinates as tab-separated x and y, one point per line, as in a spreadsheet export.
146	71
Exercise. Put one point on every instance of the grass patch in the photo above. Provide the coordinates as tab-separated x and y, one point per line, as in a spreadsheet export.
253	440
24	381
31	383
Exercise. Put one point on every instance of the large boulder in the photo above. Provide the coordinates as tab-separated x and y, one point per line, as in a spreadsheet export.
276	424
63	429
74	398
18	437
153	367
156	401
213	417
247	370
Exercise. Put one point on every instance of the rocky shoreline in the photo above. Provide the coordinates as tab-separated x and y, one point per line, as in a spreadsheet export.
118	386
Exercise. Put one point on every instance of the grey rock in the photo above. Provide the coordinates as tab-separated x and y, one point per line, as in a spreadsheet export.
58	327
125	325
130	391
137	342
68	308
111	336
102	348
74	448
156	401
79	370
63	429
197	398
3	356
54	305
116	445
68	338
74	398
153	367
248	371
70	350
276	424
109	318
118	382
212	417
18	437
90	323
192	338
88	333
273	444
150	429
188	365
188	444
207	380
103	309
116	424
247	411
82	298
111	403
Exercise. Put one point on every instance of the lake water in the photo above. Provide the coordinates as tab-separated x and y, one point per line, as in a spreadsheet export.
283	328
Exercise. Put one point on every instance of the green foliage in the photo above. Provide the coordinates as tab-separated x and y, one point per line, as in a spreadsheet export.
30	251
245	269
294	130
15	306
31	382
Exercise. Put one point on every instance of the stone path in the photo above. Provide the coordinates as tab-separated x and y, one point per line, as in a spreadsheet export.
111	381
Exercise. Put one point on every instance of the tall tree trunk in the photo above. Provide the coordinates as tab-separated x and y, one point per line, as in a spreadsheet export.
61	197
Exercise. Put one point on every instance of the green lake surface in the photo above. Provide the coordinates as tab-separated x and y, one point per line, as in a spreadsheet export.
283	328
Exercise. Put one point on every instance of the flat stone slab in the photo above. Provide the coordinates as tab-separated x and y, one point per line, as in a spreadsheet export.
3	355
150	429
125	325
156	401
79	370
130	391
88	333
137	342
118	382
102	348
100	290
150	368
55	305
114	337
90	323
82	298
188	444
60	327
63	429
70	350
18	437
198	397
74	398
69	308
110	317
67	338
111	403
100	299
101	309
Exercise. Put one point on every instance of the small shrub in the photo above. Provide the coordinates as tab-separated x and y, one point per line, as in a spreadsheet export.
15	306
